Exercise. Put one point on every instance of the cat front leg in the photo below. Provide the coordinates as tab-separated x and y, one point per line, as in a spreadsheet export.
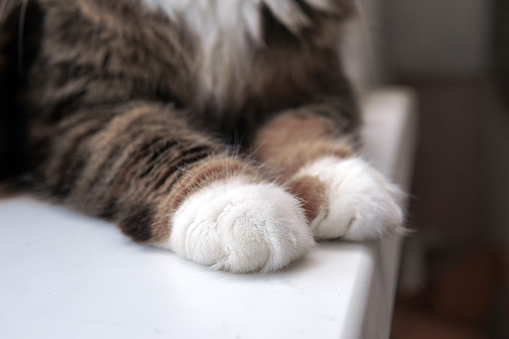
344	197
165	184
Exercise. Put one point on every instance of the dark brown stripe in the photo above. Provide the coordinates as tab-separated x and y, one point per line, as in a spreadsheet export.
181	163
137	223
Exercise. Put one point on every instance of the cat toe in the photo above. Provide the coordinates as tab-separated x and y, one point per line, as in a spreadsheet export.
360	203
241	227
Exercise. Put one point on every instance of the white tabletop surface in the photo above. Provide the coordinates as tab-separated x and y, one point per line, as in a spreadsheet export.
65	275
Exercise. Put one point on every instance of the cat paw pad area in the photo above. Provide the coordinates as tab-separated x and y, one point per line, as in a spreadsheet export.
239	226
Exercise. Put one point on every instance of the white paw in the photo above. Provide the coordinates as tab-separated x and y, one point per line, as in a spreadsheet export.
361	203
241	227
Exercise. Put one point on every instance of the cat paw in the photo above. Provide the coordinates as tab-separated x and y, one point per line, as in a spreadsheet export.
358	202
241	227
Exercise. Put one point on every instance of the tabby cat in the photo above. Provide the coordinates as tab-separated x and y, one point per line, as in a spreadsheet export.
223	130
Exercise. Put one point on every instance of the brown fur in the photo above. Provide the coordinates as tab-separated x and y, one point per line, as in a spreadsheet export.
297	138
99	108
312	192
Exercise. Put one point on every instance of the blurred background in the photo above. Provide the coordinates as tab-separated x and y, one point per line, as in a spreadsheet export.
454	281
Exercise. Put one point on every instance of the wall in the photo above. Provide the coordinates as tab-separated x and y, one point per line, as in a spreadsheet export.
428	38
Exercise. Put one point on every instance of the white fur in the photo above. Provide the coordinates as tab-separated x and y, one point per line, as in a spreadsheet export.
240	227
223	28
362	203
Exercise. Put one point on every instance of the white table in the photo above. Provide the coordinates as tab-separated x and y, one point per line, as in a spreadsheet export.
65	275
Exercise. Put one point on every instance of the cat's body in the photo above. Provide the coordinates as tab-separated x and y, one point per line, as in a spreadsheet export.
136	110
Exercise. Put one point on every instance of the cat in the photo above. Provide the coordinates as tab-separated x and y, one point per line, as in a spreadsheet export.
224	131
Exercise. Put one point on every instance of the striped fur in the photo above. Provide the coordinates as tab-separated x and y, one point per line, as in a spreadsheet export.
228	31
130	110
